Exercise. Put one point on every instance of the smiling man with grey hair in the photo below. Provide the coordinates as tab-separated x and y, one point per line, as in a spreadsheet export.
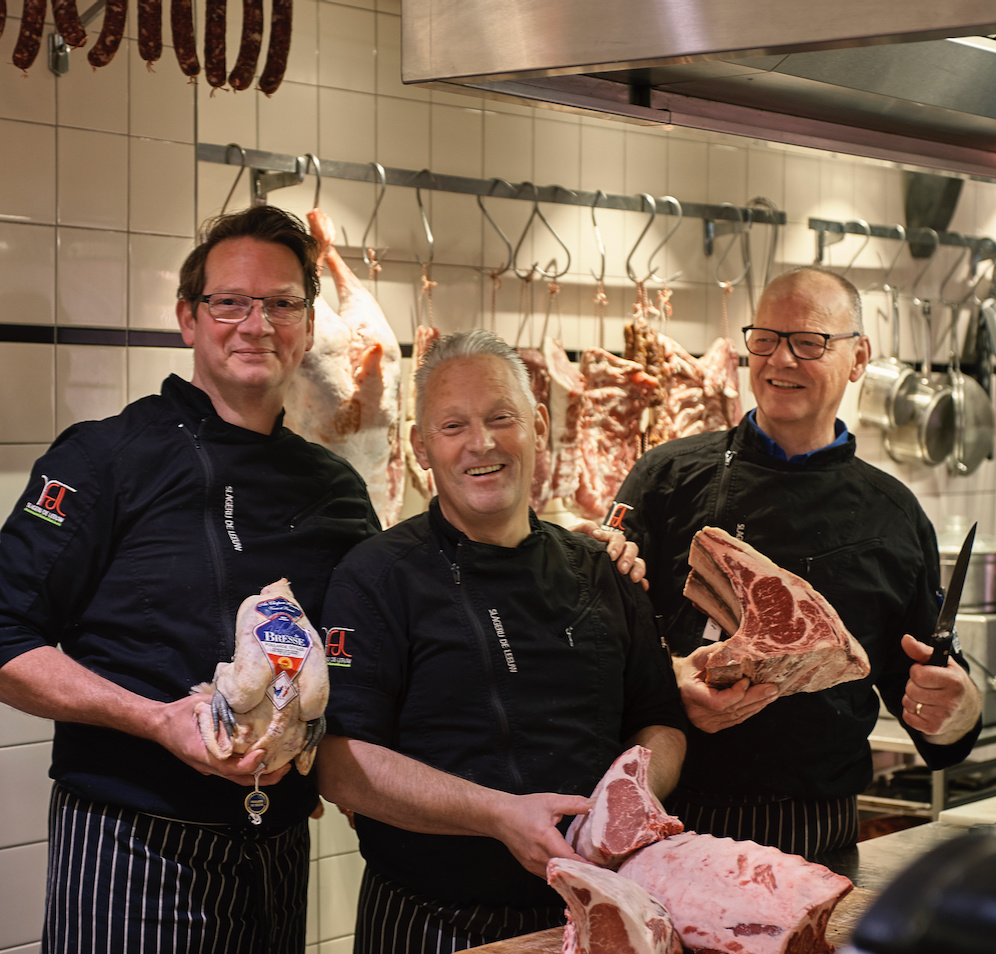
489	667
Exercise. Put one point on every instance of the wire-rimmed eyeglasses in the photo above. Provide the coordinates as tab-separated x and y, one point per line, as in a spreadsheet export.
278	309
805	345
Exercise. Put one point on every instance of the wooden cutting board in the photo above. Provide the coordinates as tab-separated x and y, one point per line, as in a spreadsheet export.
845	916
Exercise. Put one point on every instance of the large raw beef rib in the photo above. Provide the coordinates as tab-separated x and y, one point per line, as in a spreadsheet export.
609	914
734	897
783	631
625	814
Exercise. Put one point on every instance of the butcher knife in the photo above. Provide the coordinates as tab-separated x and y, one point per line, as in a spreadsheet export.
944	636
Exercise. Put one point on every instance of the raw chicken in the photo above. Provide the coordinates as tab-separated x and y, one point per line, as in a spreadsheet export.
272	695
346	394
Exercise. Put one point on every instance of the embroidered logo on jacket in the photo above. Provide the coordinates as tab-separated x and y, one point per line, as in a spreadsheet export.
503	641
614	521
335	647
230	518
49	504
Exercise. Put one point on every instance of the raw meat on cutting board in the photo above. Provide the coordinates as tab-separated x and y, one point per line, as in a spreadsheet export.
738	897
783	631
625	814
609	914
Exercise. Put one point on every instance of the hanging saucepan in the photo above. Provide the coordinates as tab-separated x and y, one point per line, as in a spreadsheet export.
885	388
973	414
928	436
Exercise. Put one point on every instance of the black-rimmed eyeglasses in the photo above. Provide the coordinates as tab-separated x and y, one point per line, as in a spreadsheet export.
805	345
278	309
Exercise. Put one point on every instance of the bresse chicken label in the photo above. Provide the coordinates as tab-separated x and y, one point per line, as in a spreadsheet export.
285	644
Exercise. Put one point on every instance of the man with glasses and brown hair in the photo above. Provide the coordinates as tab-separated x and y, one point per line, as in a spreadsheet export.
131	549
787	771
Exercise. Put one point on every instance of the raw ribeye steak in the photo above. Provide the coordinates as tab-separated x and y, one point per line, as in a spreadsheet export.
609	914
783	631
738	897
625	814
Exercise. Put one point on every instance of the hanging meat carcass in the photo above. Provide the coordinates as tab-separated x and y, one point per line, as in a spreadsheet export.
422	480
347	393
539	380
697	395
615	396
566	388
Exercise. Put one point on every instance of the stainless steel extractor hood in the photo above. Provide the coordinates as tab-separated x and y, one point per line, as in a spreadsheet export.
913	81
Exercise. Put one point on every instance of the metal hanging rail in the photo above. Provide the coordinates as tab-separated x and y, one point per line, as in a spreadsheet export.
276	170
830	232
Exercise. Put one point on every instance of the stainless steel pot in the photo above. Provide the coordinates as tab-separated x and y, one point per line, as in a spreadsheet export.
974	421
979	593
887	383
928	437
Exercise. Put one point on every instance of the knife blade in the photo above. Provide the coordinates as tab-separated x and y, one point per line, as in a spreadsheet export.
944	634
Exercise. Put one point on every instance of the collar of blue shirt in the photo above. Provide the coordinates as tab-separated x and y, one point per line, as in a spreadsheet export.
775	450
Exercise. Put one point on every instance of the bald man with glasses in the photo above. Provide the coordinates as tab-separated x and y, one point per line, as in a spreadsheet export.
787	771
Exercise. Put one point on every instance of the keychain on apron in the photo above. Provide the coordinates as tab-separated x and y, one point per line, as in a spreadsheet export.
257	801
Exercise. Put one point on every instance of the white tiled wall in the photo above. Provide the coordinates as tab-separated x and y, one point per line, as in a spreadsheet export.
100	194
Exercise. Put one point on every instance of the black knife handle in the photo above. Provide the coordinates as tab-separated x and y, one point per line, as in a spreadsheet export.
943	644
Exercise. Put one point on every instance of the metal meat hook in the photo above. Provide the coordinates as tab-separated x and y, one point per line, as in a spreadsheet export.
679	212
382	177
425	222
508	245
648	200
537	212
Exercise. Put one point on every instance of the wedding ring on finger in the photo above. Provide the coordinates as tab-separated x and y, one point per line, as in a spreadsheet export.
919	706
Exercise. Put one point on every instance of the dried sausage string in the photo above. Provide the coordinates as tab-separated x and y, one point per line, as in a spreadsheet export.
252	40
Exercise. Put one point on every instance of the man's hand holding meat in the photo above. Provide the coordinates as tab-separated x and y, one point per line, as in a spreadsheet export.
713	710
487	668
787	481
942	702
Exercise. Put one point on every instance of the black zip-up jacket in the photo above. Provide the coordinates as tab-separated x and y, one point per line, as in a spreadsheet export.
523	669
856	534
133	546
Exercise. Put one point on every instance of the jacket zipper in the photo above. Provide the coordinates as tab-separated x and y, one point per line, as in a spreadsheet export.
217	562
569	631
505	734
723	492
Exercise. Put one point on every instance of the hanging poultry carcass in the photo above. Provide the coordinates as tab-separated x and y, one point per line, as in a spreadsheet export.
347	393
